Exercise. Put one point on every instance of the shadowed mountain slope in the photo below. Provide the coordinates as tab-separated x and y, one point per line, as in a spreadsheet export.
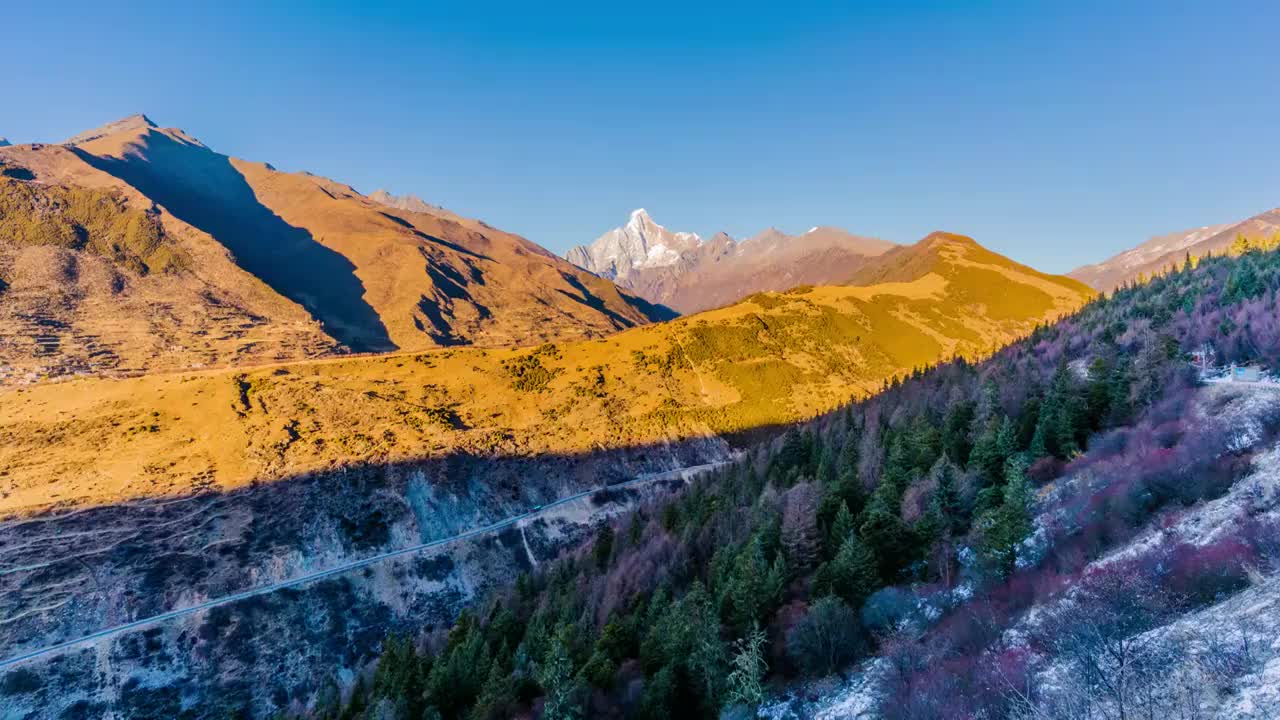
377	277
95	278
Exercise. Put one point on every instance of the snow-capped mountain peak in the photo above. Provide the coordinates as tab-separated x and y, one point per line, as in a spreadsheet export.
641	243
683	271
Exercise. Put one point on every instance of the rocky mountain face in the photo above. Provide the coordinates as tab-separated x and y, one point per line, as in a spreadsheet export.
295	264
1165	251
4	142
283	651
410	203
689	274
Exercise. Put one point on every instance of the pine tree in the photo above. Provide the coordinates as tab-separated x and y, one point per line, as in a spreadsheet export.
955	432
853	574
946	500
828	474
748	591
992	449
602	550
841	528
887	537
494	696
1004	528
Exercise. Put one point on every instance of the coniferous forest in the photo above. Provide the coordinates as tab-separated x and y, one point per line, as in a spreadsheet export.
875	531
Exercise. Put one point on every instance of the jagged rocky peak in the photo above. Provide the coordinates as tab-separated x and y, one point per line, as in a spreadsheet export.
640	243
133	122
409	202
4	142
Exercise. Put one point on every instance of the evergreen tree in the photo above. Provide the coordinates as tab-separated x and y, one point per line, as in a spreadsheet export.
659	693
841	528
887	537
1004	528
494	698
792	459
992	450
750	586
401	675
946	500
852	575
603	548
707	656
461	670
1098	393
955	432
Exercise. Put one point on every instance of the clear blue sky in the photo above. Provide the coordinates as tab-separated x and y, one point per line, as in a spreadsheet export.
1056	133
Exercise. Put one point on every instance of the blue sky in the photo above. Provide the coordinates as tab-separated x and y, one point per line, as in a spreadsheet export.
1057	133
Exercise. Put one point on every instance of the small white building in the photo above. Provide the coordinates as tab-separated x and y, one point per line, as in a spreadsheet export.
1245	373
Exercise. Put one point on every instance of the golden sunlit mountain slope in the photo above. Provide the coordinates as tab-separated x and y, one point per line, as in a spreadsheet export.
95	278
376	277
771	359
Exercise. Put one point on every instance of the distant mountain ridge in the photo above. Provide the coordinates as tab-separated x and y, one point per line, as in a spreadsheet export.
683	271
1164	251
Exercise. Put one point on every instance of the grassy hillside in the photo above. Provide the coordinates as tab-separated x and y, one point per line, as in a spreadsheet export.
773	359
84	218
97	279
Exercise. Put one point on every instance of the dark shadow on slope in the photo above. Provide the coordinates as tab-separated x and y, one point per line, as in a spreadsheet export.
657	312
154	554
203	189
651	311
432	238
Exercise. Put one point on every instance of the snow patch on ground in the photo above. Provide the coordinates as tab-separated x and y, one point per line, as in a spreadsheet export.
851	698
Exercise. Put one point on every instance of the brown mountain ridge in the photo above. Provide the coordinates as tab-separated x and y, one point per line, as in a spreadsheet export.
360	274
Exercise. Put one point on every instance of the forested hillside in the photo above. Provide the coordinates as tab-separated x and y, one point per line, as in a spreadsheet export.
912	531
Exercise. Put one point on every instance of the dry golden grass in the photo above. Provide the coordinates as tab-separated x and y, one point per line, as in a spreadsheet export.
774	358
